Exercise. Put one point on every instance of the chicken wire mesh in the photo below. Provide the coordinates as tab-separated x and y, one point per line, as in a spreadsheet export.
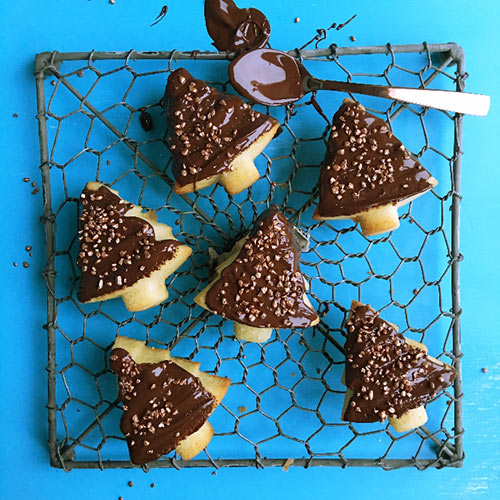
285	399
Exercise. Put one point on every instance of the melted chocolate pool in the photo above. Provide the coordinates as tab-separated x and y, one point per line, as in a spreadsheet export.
233	29
267	76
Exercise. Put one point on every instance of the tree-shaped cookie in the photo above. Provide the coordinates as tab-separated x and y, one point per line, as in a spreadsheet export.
386	374
124	251
259	285
166	401
367	172
213	137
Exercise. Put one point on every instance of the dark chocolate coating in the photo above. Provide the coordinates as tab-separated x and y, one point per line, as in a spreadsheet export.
387	375
162	404
267	76
115	251
233	29
207	129
263	287
365	165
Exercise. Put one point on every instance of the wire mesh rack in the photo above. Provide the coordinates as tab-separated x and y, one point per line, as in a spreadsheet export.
284	403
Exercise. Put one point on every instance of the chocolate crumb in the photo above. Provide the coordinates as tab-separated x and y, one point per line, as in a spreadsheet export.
120	498
53	83
297	20
318	371
177	221
26	179
484	370
30	254
214	473
35	190
108	162
242	409
352	38
161	15
111	2
28	248
15	115
25	265
79	73
130	484
14	264
33	184
152	485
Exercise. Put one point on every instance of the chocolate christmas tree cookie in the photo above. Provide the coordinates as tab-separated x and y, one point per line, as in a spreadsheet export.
124	251
166	401
388	375
367	173
213	137
259	284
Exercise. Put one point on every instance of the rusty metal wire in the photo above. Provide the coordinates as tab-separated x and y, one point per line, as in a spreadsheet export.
286	395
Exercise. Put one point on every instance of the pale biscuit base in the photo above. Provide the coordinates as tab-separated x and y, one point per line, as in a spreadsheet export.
241	332
242	173
150	290
377	220
193	444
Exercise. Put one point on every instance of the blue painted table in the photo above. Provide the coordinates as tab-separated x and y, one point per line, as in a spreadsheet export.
31	27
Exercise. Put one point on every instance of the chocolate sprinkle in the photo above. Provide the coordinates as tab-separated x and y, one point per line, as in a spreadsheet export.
264	287
162	404
388	375
116	251
207	129
365	165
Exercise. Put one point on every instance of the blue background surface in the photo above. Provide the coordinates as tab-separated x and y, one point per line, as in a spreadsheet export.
30	27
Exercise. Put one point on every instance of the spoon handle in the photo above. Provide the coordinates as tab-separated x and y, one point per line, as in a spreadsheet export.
459	102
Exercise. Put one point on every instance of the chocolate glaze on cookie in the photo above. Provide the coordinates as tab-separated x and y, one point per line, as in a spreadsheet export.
365	165
263	287
387	375
207	129
116	251
233	29
162	404
267	76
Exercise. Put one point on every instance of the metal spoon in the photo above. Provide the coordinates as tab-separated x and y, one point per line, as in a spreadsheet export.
274	78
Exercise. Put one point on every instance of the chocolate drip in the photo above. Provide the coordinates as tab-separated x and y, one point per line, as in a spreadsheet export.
365	165
387	375
162	404
116	251
267	76
207	129
264	287
233	29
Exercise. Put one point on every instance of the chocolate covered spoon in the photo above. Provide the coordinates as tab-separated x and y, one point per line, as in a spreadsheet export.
274	78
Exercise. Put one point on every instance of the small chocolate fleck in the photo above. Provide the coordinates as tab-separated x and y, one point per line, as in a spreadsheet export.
297	20
152	485
352	38
29	248
35	190
25	265
130	484
14	264
26	179
108	162
79	73
484	370
242	409
15	115
146	121
52	82
33	184
214	473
